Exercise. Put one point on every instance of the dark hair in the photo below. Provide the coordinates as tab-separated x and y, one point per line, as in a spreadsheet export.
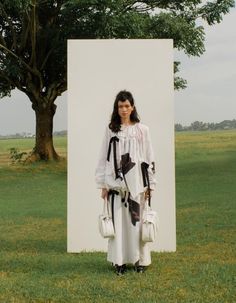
115	124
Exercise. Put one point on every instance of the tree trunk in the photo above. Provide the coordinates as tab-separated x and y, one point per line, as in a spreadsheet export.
44	149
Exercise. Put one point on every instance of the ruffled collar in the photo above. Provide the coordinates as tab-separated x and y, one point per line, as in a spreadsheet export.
132	130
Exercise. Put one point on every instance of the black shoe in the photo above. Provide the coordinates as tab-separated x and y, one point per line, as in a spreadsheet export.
139	268
120	270
124	268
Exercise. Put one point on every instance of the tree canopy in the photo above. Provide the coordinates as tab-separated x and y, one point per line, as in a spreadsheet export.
34	33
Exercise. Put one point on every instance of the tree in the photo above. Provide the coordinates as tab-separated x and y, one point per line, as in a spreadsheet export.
33	35
178	127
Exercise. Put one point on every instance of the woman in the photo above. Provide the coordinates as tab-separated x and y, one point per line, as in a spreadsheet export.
126	175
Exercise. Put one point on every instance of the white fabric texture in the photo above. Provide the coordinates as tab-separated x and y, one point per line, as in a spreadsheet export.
134	139
133	147
127	246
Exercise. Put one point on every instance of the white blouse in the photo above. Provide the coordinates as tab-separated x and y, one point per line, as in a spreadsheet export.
123	158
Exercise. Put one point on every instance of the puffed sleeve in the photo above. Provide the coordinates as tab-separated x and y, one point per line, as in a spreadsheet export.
151	161
101	164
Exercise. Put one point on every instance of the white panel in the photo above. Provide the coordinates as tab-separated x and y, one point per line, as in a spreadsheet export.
97	71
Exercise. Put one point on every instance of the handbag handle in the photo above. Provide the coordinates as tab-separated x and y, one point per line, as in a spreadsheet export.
146	205
106	210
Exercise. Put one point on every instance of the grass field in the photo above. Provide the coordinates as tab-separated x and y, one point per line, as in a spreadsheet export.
34	265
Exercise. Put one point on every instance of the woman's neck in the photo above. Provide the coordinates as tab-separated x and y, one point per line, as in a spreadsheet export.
126	121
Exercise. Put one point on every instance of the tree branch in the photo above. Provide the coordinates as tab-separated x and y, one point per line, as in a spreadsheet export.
46	58
2	40
56	90
11	26
21	60
61	87
33	35
35	72
25	31
128	6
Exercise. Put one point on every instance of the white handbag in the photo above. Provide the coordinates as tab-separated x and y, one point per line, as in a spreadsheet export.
105	224
150	224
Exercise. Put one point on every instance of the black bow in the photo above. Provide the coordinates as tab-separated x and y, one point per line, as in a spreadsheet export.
117	170
112	192
146	182
126	163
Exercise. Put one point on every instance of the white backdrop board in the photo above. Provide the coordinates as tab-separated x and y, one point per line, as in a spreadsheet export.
97	71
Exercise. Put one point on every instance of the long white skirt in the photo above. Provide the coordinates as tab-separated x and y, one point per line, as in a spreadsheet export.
127	246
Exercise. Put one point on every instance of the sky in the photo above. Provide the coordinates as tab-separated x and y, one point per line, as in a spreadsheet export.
210	95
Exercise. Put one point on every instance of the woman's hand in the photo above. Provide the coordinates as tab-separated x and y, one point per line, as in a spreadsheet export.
104	193
148	193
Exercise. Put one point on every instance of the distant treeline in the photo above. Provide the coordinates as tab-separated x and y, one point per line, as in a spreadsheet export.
201	126
196	125
30	135
60	133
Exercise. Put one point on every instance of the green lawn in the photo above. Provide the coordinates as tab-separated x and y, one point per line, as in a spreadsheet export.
34	265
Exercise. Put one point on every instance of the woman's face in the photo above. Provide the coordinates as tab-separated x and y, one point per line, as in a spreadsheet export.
125	109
